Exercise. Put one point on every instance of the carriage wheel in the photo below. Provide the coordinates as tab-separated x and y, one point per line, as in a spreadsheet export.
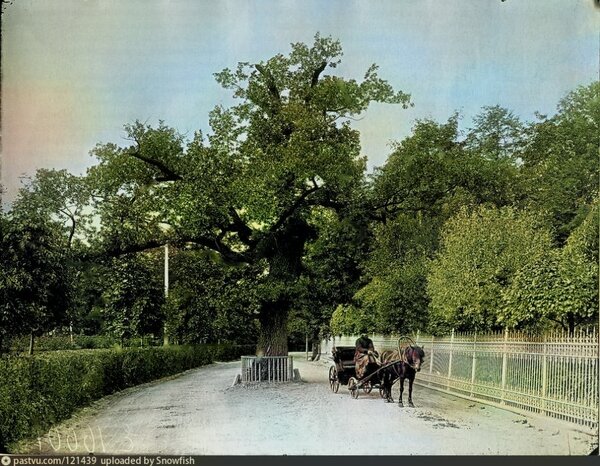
367	387
334	381
353	387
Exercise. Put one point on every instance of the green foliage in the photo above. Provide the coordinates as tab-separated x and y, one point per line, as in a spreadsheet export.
64	342
37	392
398	300
396	293
57	196
352	320
276	191
133	296
497	134
428	178
332	270
87	314
434	173
561	286
35	283
481	253
548	168
210	301
561	163
248	188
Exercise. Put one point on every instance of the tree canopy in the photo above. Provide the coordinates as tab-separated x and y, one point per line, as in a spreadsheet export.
248	188
275	228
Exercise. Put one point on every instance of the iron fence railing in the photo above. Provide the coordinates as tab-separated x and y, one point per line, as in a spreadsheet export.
555	374
267	369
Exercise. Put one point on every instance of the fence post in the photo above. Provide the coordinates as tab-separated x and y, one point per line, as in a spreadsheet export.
474	363
450	357
431	356
544	375
504	365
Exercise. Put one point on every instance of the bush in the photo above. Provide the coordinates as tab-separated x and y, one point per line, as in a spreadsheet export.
62	342
36	392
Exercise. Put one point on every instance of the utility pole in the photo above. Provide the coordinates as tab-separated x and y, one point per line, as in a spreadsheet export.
165	335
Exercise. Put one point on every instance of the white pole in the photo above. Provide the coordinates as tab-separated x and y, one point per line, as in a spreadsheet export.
165	335
166	270
306	346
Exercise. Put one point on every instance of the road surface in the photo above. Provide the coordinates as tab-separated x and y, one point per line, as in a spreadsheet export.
200	412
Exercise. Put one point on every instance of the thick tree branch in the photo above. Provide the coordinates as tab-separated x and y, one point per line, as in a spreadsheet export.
120	250
238	226
216	244
326	202
168	174
392	206
271	86
314	80
73	225
287	213
315	76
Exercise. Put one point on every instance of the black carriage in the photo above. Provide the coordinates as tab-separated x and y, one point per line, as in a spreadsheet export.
343	372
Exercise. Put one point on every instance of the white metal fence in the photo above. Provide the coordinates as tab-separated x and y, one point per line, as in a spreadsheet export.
267	369
554	374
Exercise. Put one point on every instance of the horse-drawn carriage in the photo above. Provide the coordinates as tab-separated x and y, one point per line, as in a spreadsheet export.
381	372
343	372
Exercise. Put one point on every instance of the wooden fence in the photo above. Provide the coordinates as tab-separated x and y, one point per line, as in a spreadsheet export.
267	369
554	374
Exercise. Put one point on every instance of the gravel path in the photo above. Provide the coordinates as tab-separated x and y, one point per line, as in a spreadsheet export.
199	412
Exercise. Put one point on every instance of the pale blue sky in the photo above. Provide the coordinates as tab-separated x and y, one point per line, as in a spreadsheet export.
75	71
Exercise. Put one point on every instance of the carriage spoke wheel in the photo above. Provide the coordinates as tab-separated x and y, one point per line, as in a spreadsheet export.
367	387
334	381
353	387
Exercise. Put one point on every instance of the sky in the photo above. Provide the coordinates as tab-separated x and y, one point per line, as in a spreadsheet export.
75	71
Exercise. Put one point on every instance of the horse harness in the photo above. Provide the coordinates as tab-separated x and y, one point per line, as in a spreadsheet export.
405	357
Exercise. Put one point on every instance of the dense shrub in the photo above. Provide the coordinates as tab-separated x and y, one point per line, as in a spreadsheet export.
63	342
38	391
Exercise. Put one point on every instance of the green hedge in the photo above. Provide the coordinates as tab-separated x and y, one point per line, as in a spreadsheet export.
37	392
63	342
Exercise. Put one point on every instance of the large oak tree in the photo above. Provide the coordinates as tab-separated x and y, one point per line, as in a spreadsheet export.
246	189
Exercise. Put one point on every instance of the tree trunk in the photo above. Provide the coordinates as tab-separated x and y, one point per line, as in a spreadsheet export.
284	255
315	342
316	349
31	338
571	323
273	334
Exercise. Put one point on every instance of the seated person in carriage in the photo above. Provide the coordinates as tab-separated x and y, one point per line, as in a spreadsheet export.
364	355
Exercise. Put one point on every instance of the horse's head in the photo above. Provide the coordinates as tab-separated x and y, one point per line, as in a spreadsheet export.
414	357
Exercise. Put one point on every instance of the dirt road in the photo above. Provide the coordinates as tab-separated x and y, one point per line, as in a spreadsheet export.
199	412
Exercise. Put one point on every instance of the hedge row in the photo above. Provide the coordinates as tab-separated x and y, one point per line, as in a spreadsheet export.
37	392
63	342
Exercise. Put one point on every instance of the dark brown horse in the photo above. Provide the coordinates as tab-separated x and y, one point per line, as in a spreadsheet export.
400	365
